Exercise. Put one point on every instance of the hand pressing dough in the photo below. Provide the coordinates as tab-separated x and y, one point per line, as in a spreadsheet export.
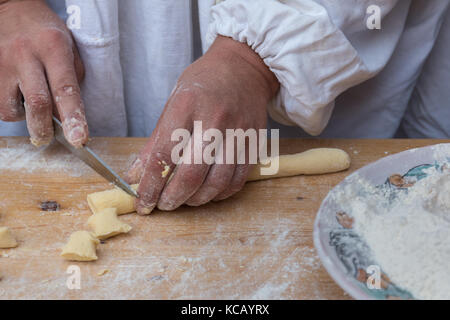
106	224
6	238
314	161
81	247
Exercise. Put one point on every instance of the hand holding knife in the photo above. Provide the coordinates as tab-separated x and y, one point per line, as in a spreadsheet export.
89	157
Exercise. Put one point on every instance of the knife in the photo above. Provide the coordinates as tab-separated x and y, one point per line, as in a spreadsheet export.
89	157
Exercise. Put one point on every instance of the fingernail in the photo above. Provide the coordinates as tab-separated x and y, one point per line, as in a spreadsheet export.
194	203
135	163
75	131
77	136
134	173
222	197
143	207
143	211
166	205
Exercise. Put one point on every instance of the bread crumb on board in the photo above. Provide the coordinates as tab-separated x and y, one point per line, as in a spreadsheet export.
103	272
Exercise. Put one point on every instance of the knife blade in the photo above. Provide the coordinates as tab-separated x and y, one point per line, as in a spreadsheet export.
89	157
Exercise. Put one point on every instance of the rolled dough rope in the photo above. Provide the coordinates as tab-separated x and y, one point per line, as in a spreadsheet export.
6	238
81	247
314	161
106	224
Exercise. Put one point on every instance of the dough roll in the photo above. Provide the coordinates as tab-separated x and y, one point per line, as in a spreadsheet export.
314	161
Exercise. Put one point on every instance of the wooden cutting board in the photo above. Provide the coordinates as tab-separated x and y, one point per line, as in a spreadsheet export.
256	245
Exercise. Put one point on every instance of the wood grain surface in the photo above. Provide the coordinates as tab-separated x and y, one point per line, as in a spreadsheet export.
256	245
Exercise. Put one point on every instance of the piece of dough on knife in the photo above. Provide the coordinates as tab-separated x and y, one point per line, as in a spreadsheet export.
81	246
6	239
106	224
314	161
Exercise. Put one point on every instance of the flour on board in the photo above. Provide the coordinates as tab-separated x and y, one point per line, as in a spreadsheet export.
53	158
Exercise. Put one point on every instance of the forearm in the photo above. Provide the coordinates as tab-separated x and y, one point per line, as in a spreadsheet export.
11	1
229	49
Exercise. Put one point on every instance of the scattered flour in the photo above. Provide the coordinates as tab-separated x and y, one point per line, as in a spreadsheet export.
408	230
27	159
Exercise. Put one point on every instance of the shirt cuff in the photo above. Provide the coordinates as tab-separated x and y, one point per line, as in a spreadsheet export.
311	58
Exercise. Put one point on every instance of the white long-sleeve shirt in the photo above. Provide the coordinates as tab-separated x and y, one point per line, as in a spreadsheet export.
338	78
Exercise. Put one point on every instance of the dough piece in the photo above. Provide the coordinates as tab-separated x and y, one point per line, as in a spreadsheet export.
114	198
102	272
81	247
314	161
106	224
6	238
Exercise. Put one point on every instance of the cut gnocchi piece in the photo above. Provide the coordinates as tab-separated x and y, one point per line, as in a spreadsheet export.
106	224
7	240
114	198
81	246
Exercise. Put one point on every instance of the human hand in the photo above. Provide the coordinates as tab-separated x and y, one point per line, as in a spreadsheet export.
39	63
228	88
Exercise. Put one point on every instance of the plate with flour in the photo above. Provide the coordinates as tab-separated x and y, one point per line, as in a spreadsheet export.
384	231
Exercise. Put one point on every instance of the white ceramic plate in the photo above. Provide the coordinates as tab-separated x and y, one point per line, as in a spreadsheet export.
340	248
